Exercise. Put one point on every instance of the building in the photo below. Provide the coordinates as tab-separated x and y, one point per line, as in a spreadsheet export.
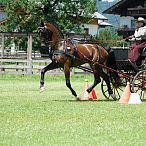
96	21
129	11
102	5
3	14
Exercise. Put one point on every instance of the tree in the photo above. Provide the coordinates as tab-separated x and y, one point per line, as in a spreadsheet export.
109	37
25	15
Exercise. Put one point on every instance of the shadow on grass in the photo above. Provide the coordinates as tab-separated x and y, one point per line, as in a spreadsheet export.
143	100
100	100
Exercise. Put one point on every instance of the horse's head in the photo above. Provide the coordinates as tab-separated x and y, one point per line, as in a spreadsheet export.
45	35
49	33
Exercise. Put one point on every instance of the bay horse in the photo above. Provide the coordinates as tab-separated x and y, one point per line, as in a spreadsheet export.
64	54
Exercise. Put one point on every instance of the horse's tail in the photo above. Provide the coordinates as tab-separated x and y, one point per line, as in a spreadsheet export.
111	60
111	63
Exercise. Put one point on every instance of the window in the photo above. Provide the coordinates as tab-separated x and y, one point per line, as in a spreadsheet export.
86	30
145	3
133	24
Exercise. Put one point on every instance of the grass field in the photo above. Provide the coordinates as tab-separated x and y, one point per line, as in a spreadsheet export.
54	118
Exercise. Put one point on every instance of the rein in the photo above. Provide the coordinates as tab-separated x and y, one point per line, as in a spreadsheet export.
100	41
58	41
101	65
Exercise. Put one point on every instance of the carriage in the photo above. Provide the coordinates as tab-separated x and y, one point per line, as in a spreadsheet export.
128	71
65	54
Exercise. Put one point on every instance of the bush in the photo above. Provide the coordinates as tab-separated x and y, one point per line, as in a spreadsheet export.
108	37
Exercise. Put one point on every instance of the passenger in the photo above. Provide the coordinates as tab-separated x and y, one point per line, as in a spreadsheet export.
139	38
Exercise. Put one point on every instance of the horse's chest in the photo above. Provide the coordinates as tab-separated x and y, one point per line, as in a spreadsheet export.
59	58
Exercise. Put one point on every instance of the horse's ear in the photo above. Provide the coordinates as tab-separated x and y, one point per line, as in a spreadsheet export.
42	23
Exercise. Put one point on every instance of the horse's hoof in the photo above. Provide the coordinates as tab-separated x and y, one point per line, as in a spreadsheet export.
74	94
113	96
42	89
78	97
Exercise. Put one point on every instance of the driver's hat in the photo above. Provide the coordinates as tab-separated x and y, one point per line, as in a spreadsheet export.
141	19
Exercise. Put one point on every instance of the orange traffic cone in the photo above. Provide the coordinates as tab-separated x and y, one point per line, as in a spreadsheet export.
126	94
92	95
85	94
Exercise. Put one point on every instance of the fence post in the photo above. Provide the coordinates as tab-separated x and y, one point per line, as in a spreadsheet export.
2	47
29	54
2	50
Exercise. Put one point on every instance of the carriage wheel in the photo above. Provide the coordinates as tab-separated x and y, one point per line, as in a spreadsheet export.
139	83
117	90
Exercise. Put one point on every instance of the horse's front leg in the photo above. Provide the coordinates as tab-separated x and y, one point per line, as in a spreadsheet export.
67	77
51	66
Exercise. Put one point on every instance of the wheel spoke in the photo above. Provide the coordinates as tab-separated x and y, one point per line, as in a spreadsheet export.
138	84
118	93
120	89
105	91
117	90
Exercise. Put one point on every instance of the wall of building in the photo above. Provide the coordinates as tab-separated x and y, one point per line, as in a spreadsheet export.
126	22
3	16
92	28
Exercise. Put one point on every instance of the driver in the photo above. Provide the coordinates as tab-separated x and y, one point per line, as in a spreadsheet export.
139	38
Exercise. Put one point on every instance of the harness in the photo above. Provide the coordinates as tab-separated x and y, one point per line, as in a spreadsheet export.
73	56
72	52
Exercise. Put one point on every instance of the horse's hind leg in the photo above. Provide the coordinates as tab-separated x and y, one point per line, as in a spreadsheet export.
67	77
98	72
51	66
96	80
107	80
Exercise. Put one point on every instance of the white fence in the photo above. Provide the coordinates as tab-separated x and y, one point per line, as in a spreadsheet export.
20	66
25	62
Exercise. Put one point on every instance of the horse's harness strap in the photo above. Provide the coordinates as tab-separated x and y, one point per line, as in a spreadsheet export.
100	60
73	56
58	52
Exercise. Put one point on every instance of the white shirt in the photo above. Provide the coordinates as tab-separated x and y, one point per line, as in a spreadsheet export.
140	34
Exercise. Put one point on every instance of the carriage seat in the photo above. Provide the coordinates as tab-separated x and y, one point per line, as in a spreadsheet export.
122	60
143	54
121	53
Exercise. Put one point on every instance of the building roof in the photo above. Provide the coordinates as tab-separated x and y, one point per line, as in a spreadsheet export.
91	19
104	24
2	22
99	16
2	7
120	7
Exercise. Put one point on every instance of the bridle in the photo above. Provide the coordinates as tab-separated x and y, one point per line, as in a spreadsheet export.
46	34
46	37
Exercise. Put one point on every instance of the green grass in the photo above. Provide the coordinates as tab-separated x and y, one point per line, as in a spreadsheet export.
30	118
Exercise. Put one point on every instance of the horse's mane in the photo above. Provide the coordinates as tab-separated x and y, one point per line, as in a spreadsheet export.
55	25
